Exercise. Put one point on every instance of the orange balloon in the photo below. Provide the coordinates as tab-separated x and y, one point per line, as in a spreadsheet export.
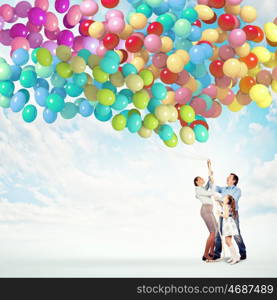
246	84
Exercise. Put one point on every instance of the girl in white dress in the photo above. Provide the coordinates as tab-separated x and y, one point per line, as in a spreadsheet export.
229	227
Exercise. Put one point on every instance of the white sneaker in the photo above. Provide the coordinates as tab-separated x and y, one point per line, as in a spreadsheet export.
234	261
229	260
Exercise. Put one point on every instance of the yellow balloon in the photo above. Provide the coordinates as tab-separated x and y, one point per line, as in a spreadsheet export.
187	135
90	92
232	9
170	98
138	21
232	67
262	53
266	102
205	13
253	72
127	31
138	62
243	70
243	50
271	31
235	106
93	60
191	84
173	113
258	92
96	29
272	63
63	53
248	14
117	79
274	86
222	35
145	132
134	82
78	64
167	44
184	54
162	113
215	53
175	63
143	53
210	35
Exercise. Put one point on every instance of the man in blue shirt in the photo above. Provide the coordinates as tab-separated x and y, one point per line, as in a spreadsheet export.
233	190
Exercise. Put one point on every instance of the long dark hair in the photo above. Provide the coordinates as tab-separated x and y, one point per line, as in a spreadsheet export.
232	203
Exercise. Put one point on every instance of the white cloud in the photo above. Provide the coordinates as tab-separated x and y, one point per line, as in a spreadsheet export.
272	114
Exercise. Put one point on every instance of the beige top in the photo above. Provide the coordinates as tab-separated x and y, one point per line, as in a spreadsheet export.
205	195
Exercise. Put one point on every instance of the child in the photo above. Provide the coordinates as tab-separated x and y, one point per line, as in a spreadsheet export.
229	227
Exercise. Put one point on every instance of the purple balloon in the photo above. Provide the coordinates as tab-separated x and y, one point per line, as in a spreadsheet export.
34	28
2	23
35	39
90	44
19	30
52	35
22	8
51	46
37	16
66	38
62	6
5	37
13	19
65	23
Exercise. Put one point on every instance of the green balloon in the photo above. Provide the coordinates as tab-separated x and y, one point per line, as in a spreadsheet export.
166	20
182	28
69	111
34	55
43	71
147	77
5	71
190	14
187	113
6	88
28	78
141	99
64	70
150	122
29	113
55	102
119	122
201	133
44	57
172	142
105	97
4	101
99	75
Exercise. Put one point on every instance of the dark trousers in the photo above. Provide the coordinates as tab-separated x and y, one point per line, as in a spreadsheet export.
238	239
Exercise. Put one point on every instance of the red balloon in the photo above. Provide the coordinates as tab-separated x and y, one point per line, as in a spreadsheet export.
110	40
134	43
197	23
251	32
199	122
125	55
110	3
168	77
212	20
155	28
216	3
226	22
251	60
260	36
216	68
84	26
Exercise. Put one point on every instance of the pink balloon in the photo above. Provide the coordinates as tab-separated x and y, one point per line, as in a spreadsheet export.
223	82
234	2
74	15
159	60
88	8
139	34
7	12
20	42
78	43
101	50
211	91
51	46
52	35
226	52
218	110
203	2
33	28
229	98
43	4
13	19
52	22
183	95
210	112
114	13
152	43
90	44
116	25
5	37
183	77
237	38
199	105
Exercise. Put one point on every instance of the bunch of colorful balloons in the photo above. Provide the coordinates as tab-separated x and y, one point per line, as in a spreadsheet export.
161	67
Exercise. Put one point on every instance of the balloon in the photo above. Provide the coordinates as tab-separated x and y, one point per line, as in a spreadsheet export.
44	57
29	113
119	122
187	113
49	116
85	108
201	133
134	123
55	102
187	135
258	92
18	101
41	95
37	16
69	110
165	132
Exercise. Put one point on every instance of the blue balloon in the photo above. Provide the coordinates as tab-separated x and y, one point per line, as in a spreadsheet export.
73	90
165	132
182	43
197	55
80	79
109	65
26	93
128	93
153	103
134	123
41	95
125	113
205	80
177	5
85	108
121	102
20	57
128	69
16	72
110	86
60	91
18	101
171	34
102	112
195	34
201	133
161	9
41	82
57	81
190	67
199	71
207	49
159	91
49	115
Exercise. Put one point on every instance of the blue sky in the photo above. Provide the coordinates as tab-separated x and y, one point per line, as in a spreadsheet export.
119	195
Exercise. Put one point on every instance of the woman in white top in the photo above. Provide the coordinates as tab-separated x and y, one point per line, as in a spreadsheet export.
206	198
